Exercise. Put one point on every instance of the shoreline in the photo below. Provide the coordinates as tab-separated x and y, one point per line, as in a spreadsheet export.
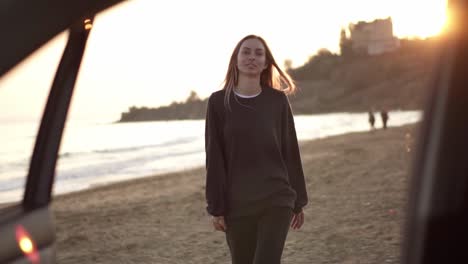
103	186
105	174
116	184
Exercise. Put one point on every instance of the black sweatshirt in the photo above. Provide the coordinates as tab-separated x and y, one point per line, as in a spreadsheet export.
252	155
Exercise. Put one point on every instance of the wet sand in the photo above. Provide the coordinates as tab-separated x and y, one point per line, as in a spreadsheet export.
357	192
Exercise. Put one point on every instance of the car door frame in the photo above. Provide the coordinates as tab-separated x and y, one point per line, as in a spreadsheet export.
436	229
32	24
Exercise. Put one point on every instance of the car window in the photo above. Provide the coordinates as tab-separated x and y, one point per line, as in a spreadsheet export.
23	95
131	165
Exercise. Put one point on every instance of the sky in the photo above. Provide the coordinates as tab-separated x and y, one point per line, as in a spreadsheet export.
152	53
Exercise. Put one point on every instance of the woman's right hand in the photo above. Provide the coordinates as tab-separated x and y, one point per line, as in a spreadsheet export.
219	223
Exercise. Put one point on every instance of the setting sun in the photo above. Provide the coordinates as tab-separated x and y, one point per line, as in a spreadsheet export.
420	18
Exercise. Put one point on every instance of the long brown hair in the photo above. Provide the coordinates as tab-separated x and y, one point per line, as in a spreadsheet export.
272	76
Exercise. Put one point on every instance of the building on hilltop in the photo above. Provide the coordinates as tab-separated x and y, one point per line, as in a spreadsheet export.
374	37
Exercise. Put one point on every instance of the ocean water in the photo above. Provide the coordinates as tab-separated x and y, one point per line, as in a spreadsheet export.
100	153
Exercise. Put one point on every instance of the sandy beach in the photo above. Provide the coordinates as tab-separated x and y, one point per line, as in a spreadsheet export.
357	187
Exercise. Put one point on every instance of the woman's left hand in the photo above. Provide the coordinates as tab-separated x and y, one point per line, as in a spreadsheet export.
297	220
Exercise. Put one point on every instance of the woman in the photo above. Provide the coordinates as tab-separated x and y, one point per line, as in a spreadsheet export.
255	187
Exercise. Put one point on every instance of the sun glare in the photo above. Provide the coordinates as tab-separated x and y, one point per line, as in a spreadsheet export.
26	245
418	20
88	24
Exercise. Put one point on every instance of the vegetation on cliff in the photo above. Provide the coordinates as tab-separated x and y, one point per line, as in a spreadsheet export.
336	83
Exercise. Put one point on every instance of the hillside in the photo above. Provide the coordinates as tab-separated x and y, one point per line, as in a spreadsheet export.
333	83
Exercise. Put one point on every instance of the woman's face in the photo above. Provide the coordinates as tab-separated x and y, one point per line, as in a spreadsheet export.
251	59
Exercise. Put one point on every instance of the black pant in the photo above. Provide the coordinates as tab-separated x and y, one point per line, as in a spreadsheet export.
258	238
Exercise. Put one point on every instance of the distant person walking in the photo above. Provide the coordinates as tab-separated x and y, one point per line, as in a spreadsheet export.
371	120
255	186
384	116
